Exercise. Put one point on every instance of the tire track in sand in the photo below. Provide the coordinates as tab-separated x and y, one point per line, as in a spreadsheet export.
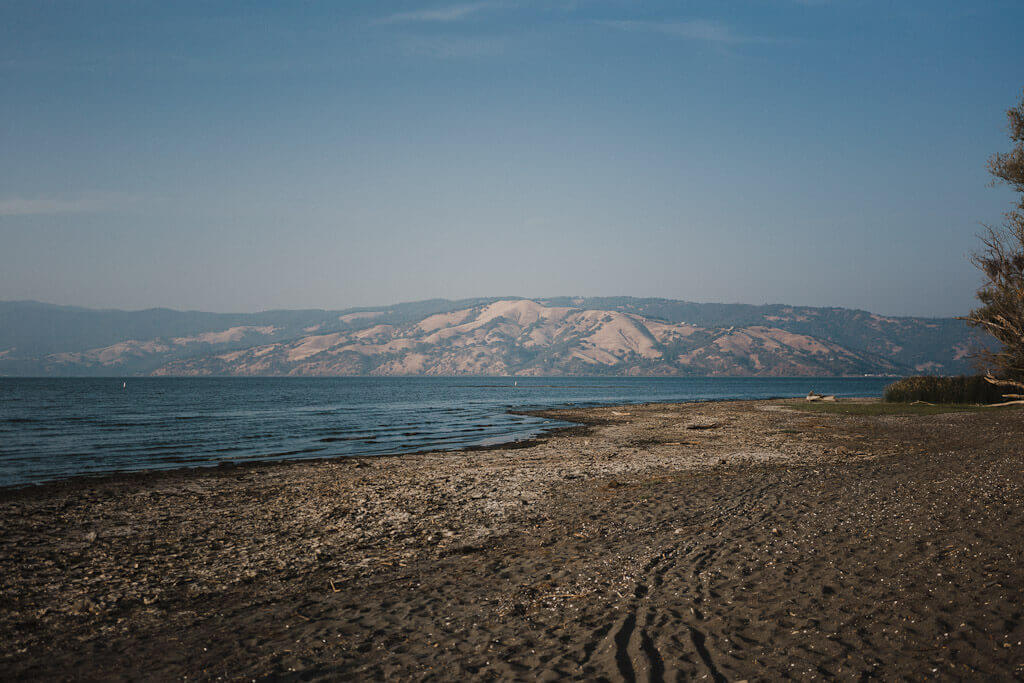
630	643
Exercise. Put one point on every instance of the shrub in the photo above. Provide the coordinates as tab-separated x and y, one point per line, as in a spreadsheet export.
932	389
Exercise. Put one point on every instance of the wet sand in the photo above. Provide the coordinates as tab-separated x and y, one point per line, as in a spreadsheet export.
724	541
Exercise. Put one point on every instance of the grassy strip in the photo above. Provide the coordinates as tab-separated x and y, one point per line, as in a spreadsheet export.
881	408
944	390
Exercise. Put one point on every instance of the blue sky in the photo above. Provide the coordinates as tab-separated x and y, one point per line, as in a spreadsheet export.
246	156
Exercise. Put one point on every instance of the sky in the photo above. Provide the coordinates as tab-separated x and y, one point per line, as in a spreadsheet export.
260	155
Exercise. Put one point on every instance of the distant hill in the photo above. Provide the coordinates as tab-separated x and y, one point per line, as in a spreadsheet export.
487	336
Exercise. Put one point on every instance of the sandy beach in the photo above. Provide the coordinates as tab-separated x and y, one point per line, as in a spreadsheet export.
718	541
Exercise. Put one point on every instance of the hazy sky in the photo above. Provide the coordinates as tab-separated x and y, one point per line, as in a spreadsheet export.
250	155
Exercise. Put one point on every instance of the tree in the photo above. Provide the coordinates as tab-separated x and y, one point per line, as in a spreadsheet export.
1002	262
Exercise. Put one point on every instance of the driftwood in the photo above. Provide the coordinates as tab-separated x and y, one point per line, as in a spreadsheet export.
1004	382
811	396
1015	399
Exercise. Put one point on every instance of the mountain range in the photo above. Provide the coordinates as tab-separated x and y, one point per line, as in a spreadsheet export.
492	336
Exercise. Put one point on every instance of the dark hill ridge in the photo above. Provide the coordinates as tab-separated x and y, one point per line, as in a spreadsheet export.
486	336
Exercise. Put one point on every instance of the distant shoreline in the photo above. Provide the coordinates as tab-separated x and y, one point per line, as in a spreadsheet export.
511	443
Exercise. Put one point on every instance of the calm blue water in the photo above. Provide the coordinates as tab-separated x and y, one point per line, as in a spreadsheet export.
57	428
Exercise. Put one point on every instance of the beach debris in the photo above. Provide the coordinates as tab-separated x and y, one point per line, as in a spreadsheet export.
562	596
704	424
83	605
615	412
1006	383
811	396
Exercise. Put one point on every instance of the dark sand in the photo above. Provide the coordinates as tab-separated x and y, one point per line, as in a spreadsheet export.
774	544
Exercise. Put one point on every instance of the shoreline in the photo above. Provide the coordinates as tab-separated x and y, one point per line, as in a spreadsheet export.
578	428
142	475
723	539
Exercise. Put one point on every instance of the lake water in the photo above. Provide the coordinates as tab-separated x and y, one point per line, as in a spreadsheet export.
57	428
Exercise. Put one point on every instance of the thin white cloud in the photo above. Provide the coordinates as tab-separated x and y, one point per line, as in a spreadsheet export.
445	14
696	29
453	47
48	206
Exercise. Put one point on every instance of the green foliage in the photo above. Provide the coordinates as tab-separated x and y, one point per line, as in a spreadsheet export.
959	389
